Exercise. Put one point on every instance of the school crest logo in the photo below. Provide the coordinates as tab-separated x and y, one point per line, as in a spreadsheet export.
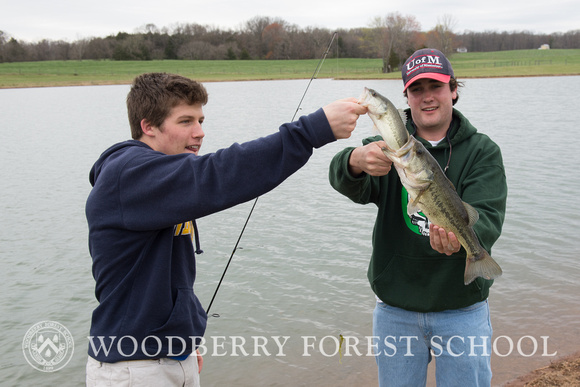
48	346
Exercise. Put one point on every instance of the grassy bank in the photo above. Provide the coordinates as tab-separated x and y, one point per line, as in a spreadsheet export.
467	65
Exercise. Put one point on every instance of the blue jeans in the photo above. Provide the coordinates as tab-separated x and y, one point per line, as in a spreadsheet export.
459	340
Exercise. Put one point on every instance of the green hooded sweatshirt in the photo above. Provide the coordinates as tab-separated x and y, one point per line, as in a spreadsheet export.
404	270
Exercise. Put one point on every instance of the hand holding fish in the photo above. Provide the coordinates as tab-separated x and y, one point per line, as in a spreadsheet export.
443	242
342	116
369	159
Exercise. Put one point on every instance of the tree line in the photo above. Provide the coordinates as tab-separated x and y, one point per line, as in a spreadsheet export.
391	38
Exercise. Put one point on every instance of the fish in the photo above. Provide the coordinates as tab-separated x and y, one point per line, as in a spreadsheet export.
388	120
429	189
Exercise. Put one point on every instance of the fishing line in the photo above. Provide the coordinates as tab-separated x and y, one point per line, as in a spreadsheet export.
314	75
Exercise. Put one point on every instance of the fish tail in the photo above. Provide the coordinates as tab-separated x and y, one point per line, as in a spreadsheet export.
482	266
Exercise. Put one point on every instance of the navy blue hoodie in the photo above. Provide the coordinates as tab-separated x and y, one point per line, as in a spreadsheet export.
140	214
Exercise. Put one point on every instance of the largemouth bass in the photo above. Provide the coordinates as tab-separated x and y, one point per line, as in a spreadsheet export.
430	191
387	119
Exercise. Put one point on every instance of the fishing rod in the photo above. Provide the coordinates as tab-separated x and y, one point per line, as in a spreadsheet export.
314	75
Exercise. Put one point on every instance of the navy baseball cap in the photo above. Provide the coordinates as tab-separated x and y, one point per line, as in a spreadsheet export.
427	63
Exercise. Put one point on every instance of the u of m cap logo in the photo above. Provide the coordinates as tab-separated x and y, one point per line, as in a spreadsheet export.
425	59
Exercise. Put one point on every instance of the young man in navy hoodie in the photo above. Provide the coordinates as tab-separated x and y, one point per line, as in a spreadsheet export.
147	193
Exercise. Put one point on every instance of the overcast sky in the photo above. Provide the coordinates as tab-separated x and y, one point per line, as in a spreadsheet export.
70	20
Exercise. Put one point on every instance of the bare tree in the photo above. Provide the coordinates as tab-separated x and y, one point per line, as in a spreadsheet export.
99	48
78	49
274	39
3	40
394	34
442	36
255	31
376	39
392	38
193	50
14	51
316	41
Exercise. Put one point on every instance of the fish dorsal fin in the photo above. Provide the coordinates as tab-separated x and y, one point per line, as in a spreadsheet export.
403	115
472	214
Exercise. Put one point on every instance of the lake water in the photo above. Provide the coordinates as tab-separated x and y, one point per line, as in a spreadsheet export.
300	273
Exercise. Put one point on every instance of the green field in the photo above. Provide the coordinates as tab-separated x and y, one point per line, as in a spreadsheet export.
466	65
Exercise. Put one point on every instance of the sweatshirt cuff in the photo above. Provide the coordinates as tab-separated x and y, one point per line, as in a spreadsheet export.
320	128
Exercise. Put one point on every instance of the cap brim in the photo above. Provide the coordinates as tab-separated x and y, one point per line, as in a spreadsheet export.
436	76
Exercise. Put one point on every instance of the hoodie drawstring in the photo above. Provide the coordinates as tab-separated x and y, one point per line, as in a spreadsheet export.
198	250
450	150
448	141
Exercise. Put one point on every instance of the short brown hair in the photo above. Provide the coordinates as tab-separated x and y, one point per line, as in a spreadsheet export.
153	95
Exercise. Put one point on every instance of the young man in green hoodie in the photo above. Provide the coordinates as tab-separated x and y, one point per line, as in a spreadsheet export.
423	309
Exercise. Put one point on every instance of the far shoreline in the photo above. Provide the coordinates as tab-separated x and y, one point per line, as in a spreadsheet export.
202	79
498	64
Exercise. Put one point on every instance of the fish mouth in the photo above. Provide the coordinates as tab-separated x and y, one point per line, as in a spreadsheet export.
362	99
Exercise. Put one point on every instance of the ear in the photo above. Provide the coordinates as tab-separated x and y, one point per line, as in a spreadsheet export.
147	128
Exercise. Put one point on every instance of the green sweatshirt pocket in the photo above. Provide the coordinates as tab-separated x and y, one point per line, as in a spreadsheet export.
427	284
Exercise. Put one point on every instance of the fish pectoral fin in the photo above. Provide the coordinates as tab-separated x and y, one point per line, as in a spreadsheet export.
472	214
412	207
